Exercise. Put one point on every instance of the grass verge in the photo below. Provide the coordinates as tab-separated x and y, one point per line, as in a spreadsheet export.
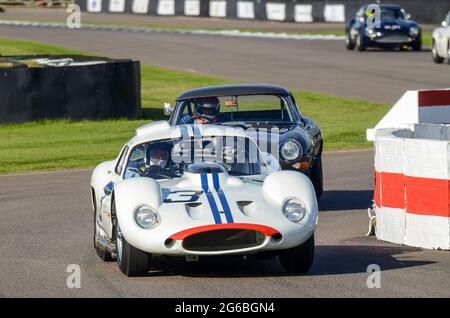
63	144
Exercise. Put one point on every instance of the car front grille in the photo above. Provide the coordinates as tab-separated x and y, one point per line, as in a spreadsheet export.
394	38
223	240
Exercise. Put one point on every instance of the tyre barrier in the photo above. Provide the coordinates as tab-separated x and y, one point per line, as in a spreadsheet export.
75	87
412	185
272	10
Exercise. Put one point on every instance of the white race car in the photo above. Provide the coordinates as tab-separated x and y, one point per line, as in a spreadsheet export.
221	197
441	41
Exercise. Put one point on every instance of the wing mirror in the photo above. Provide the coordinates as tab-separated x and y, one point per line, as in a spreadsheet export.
407	16
108	189
444	24
168	109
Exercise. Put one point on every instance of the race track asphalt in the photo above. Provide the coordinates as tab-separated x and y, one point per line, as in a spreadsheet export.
312	65
47	224
47	220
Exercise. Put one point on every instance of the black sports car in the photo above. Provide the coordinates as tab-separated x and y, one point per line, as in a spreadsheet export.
267	112
394	29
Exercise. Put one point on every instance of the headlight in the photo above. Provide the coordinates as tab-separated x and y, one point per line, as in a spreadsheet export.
146	217
370	32
294	209
291	150
413	31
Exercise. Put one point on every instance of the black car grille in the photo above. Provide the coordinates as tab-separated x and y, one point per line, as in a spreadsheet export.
223	240
394	38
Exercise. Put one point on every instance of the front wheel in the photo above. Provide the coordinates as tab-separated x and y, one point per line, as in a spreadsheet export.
360	43
349	44
417	44
317	176
298	260
131	261
434	53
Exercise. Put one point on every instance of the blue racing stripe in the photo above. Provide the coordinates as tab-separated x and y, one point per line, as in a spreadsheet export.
222	197
196	130
184	132
210	197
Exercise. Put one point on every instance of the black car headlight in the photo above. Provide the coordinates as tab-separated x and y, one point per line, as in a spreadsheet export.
370	32
413	31
291	150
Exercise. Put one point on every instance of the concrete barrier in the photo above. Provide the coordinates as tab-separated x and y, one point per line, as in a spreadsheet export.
423	106
412	185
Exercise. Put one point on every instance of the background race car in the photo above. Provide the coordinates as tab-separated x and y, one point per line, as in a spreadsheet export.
394	29
268	113
441	41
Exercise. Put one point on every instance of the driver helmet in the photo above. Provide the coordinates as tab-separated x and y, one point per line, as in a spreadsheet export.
207	108
159	157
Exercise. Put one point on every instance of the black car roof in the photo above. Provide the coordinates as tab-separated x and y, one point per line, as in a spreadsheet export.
386	5
230	90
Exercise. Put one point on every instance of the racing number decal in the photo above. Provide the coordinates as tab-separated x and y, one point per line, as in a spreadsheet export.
182	196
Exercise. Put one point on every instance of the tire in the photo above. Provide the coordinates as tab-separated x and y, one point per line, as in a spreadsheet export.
436	58
298	260
417	44
349	44
317	177
131	261
105	256
360	44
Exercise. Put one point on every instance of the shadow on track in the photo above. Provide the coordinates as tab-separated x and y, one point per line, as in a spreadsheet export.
395	50
340	200
330	260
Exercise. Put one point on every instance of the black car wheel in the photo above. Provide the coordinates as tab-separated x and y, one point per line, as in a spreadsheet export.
131	261
436	58
349	44
360	43
298	260
317	176
417	44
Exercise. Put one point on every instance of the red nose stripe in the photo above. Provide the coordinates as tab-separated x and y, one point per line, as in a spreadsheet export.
268	231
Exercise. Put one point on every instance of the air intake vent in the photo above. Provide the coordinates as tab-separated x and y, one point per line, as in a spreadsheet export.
223	240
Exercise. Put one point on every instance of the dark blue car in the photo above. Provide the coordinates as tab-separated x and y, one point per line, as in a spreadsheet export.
394	30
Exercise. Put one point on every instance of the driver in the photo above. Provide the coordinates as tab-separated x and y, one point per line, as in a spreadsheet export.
158	159
206	111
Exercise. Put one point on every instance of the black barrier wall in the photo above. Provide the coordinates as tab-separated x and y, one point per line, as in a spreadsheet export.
99	91
423	11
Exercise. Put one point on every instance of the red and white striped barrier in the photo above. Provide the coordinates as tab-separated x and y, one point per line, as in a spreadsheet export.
412	185
424	106
412	170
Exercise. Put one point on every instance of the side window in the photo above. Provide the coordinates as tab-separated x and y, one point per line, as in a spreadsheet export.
447	19
121	161
184	109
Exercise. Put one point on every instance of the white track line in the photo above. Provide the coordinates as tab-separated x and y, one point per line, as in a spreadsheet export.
230	33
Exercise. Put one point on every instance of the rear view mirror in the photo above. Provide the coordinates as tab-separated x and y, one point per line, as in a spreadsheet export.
167	109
